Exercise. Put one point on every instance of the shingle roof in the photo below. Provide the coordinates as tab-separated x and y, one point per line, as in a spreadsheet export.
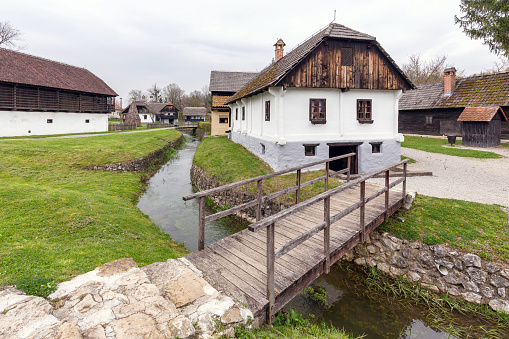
481	114
220	100
194	111
229	81
20	68
481	90
277	70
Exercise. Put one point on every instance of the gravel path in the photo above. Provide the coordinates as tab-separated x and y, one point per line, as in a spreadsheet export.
479	180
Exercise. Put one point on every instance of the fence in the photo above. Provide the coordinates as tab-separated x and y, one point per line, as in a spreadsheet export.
161	125
121	127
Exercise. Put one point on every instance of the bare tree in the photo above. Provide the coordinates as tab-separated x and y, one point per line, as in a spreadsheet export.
9	35
424	72
207	97
135	95
194	99
501	65
155	93
174	94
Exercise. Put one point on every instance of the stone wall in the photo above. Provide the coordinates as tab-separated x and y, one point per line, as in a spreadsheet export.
437	267
141	164
203	181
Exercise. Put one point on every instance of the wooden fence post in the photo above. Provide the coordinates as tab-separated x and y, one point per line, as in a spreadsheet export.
201	225
363	210
404	181
349	164
259	195
297	193
326	234
271	296
387	196
326	184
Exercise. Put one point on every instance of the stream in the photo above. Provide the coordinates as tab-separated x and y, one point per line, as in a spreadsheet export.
348	306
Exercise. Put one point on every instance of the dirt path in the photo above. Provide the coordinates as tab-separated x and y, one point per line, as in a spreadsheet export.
479	180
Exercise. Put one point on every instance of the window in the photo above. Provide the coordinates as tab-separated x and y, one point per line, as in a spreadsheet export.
310	150
49	121
376	147
145	117
429	119
223	119
267	110
236	114
364	114
243	112
87	121
317	110
263	149
346	56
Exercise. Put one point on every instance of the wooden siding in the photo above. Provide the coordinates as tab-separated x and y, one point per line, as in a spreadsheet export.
481	133
323	69
33	98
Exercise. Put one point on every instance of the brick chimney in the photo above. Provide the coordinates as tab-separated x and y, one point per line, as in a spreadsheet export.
279	45
449	80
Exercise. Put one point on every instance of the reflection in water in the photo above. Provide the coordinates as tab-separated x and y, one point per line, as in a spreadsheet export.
349	308
163	203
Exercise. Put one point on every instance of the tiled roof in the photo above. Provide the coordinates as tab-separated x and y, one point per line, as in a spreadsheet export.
481	114
220	100
194	111
481	90
229	81
277	70
26	69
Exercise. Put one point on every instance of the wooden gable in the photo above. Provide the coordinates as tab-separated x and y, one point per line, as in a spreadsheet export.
364	66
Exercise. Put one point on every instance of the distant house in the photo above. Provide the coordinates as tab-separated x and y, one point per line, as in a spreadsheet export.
434	109
194	114
335	93
143	110
40	96
117	113
482	126
222	86
150	112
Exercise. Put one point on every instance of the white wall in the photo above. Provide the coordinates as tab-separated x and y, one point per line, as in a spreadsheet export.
145	118
17	123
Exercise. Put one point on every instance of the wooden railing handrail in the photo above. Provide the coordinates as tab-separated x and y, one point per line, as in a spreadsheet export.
261	177
295	208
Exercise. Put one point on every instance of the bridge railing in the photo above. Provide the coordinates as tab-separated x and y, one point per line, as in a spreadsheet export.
260	199
269	222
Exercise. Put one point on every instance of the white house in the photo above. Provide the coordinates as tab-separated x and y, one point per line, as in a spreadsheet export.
335	93
40	96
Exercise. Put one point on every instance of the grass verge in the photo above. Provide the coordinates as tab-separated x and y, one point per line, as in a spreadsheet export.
435	145
471	226
59	220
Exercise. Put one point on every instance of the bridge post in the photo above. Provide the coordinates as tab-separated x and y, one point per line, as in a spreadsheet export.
404	181
348	165
259	194
201	224
271	257
386	196
326	233
327	169
363	210
297	193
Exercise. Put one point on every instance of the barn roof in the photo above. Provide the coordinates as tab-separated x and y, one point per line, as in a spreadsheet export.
481	114
229	81
481	90
194	111
277	70
21	68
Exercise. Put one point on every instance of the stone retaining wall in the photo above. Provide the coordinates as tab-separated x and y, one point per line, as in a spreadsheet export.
437	267
141	164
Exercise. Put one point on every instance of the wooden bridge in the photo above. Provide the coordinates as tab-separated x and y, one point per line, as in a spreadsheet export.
268	269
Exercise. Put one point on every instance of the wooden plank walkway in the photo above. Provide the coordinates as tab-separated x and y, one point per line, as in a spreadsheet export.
238	264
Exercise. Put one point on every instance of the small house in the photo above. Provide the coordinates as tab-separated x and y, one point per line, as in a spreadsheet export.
335	93
194	114
142	109
481	126
39	96
222	86
164	112
434	109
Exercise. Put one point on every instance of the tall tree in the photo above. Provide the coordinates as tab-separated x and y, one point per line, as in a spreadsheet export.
134	95
155	93
194	99
207	97
424	72
487	20
174	94
9	35
501	65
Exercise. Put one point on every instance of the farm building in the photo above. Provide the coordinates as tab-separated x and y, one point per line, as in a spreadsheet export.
222	86
434	109
335	93
150	112
194	114
481	126
40	96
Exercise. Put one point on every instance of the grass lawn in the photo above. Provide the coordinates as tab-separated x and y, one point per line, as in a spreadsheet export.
58	220
435	145
473	227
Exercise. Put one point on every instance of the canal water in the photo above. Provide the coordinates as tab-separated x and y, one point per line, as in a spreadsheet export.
348	306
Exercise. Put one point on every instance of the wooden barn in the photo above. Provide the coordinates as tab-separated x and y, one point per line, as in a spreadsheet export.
482	126
434	109
40	96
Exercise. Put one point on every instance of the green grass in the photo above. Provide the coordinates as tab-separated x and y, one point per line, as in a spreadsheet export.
505	144
292	325
473	227
435	145
59	220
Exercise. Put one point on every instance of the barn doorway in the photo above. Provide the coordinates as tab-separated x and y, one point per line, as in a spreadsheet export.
338	149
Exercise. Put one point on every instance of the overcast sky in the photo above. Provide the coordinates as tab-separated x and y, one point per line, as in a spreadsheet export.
134	44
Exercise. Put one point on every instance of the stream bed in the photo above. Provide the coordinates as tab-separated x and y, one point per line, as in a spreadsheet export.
375	316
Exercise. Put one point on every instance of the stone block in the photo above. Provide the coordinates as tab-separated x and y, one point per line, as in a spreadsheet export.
477	275
470	286
95	333
472	297
413	276
383	267
360	261
500	305
115	267
438	251
487	291
68	331
231	316
498	281
501	292
136	326
399	261
491	268
181	327
372	249
185	289
472	260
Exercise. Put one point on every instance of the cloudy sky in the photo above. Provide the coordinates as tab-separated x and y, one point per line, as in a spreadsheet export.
134	44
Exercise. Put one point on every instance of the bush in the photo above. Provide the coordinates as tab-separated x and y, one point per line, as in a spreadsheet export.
205	126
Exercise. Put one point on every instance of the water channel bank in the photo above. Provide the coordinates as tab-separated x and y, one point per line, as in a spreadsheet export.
343	297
